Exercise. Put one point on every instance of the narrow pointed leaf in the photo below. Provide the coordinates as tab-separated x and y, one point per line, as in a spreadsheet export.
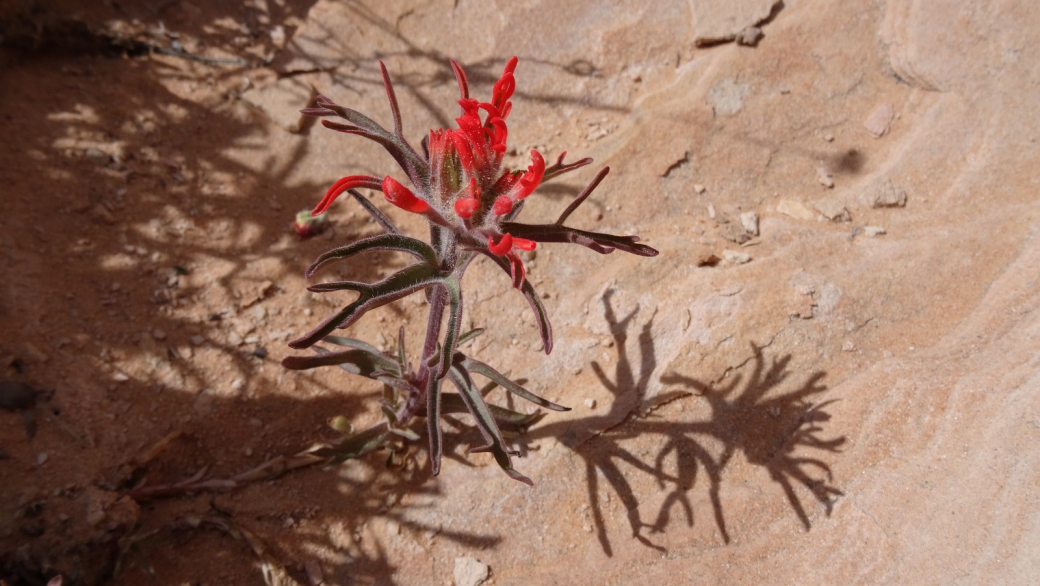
559	168
396	242
485	423
373	211
354	361
452	404
601	243
469	336
473	365
451	335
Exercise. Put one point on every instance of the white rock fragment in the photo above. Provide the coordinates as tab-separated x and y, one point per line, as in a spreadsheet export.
697	187
120	377
879	122
833	210
470	571
736	257
886	195
873	231
794	209
749	220
825	177
590	403
711	210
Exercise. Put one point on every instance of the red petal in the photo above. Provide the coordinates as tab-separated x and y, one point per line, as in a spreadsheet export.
524	244
402	197
504	245
503	205
342	185
533	176
466	207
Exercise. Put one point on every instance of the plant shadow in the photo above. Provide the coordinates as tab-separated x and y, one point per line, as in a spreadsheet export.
748	415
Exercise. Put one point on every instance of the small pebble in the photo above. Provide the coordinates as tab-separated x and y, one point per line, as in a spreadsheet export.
120	377
749	220
873	231
828	137
158	334
736	257
260	352
41	459
699	188
711	211
824	176
848	346
590	403
237	384
197	340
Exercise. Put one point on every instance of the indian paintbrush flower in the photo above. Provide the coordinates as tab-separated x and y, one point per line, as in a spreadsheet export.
471	204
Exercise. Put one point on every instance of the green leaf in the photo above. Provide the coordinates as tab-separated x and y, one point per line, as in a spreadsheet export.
473	365
354	361
397	242
451	336
485	423
405	433
452	404
400	284
354	446
469	336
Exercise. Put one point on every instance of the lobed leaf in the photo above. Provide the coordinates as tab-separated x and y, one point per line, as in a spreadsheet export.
401	284
396	242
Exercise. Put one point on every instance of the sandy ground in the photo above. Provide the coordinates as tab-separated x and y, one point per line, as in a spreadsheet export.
847	394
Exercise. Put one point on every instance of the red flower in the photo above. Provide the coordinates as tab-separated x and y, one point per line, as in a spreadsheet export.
402	197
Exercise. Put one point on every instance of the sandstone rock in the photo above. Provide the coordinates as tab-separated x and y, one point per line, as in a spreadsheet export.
887	194
794	209
470	571
749	220
880	120
736	257
832	209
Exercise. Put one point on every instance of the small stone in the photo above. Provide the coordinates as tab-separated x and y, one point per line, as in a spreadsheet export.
197	340
590	403
158	334
736	257
885	195
825	177
749	220
873	231
41	459
828	137
258	313
393	528
470	571
848	346
577	370
879	122
833	210
238	384
120	377
260	352
234	339
697	187
794	209
749	36
96	155
711	210
607	341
